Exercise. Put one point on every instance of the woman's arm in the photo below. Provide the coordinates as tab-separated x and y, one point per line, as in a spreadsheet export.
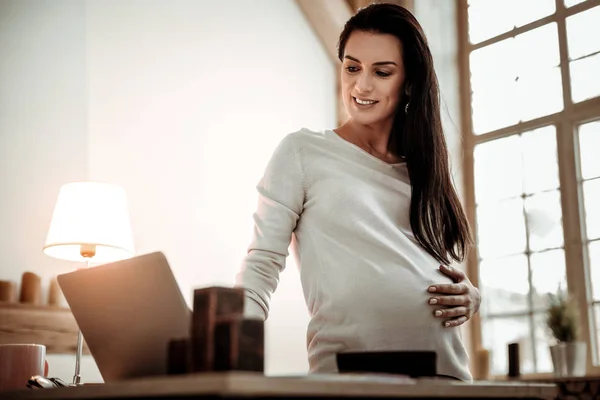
280	202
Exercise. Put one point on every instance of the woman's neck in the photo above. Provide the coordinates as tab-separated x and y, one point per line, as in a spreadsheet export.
372	139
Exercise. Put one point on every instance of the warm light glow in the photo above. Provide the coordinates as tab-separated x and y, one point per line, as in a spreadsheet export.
90	213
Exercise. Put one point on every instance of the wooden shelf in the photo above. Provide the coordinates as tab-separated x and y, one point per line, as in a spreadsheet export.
51	326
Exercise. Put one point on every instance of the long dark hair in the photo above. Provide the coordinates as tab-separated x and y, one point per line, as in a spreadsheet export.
436	215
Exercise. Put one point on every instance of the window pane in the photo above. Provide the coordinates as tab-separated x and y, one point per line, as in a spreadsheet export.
497	333
539	94
504	284
542	345
584	78
516	79
488	18
493	104
591	197
594	253
570	3
583	32
548	273
544	221
497	167
501	229
540	163
589	145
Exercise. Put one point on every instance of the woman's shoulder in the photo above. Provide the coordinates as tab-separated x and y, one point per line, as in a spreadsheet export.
307	144
305	138
306	135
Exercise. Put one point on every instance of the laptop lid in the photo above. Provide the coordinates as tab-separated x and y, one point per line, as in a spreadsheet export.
128	311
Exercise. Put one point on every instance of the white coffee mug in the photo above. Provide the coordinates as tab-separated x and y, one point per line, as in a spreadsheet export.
19	362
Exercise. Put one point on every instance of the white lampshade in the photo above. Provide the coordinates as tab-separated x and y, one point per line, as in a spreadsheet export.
90	214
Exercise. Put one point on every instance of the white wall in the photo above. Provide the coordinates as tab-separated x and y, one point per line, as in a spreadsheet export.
43	133
180	102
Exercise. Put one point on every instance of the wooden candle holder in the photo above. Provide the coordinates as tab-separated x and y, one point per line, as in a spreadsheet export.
221	339
210	304
239	344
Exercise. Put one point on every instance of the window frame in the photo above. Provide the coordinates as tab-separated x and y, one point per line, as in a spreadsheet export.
566	123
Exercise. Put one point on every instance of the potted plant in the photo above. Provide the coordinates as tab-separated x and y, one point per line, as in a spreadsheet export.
569	353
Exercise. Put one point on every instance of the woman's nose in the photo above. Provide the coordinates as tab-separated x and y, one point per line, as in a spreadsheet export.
364	83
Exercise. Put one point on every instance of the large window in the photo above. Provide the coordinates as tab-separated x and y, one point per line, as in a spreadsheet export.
531	100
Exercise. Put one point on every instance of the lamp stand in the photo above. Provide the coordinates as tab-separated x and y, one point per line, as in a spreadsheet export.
77	376
87	251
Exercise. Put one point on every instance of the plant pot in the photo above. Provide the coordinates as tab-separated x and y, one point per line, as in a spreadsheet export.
569	359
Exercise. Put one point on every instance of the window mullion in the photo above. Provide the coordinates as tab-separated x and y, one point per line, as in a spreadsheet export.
571	210
570	190
468	167
565	71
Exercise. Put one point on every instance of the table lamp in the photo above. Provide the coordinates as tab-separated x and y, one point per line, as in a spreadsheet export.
90	222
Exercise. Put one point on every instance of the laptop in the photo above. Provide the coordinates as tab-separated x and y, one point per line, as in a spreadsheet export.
128	311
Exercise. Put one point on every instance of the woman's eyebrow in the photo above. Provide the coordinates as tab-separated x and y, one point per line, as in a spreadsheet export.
377	63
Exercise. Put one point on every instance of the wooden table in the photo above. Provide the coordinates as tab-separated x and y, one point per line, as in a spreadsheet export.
249	385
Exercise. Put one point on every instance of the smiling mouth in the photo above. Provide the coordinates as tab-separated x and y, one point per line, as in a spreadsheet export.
364	102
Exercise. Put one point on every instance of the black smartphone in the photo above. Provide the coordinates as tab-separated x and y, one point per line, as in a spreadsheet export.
415	364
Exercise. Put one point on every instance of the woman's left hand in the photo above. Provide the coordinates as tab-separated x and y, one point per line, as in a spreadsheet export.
461	298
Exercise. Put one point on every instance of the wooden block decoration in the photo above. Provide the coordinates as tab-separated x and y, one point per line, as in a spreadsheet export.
31	289
55	296
239	344
210	304
179	356
8	291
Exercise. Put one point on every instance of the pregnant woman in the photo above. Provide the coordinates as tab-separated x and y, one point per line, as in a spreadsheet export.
370	209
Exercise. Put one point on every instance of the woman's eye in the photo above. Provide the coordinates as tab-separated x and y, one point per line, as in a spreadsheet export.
383	74
351	69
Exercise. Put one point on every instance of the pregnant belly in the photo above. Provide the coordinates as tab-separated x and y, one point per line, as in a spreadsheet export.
385	320
376	300
371	312
389	307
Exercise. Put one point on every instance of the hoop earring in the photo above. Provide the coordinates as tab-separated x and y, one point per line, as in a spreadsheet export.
406	108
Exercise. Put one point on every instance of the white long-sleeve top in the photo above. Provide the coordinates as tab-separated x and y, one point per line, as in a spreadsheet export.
363	274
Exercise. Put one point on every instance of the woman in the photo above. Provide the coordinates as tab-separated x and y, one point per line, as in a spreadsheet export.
371	209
